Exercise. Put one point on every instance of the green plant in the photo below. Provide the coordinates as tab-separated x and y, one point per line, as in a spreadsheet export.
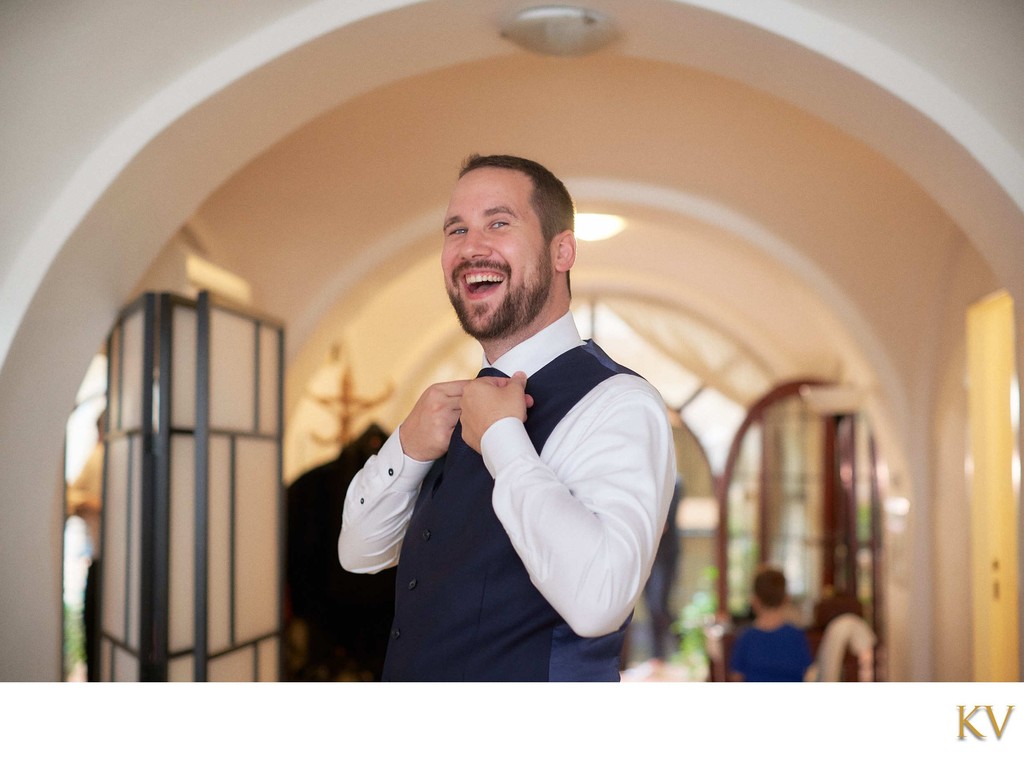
74	637
695	616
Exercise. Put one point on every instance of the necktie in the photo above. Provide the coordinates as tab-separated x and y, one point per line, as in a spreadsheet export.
491	371
457	445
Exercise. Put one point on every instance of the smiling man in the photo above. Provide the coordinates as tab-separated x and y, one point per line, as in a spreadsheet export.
523	508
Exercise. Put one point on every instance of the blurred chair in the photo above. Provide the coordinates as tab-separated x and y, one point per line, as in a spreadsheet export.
846	634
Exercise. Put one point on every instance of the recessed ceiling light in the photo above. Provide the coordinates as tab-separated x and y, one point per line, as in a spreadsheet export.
597	227
560	30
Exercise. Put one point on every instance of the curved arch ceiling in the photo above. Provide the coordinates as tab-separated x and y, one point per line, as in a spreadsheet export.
249	94
742	209
323	217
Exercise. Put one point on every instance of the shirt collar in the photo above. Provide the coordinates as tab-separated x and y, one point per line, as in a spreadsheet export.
540	349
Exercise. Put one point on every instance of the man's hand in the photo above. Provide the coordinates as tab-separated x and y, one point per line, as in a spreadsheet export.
489	398
425	433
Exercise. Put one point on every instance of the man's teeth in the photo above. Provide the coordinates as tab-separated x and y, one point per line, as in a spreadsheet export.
483	278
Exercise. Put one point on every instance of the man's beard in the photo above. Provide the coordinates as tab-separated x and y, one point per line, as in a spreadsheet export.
520	306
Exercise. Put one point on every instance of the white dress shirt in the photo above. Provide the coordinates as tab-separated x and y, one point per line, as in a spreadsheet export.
584	515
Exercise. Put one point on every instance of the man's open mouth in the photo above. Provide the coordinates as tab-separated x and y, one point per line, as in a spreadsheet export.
479	284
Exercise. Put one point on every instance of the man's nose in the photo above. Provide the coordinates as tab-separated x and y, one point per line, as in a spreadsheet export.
475	244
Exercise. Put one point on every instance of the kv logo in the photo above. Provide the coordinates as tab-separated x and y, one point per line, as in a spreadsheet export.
967	725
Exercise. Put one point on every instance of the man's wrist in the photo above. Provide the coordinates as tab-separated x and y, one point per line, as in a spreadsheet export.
402	471
409	450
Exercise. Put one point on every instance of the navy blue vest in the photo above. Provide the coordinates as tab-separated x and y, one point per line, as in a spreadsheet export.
465	609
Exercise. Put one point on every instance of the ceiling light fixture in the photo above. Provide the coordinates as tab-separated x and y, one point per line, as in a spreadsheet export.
597	227
560	30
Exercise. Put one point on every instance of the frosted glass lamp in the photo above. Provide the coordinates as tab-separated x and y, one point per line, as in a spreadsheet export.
192	562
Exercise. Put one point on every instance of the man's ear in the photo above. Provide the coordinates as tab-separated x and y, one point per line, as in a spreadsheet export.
563	251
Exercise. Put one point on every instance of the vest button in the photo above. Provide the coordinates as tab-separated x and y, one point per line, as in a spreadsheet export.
412	584
396	633
426	535
391	472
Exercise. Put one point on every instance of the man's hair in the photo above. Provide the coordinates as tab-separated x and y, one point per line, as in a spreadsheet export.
551	201
770	587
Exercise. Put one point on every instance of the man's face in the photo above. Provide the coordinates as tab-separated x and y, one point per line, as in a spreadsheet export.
497	267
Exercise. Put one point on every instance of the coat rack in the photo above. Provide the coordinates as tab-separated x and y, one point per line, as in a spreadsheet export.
346	403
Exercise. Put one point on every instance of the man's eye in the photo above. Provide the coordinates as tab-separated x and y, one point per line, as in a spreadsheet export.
499	224
456	231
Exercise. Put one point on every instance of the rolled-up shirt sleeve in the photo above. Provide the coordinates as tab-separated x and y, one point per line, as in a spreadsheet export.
586	514
378	505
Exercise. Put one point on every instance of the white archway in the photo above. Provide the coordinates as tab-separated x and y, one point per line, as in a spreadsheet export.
134	188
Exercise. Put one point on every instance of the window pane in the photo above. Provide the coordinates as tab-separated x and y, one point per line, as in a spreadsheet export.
181	669
181	549
744	498
269	662
126	665
793	509
234	666
218	622
133	334
183	400
115	530
269	373
256	538
232	371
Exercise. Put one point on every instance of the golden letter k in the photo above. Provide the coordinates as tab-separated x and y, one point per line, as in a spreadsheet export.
966	721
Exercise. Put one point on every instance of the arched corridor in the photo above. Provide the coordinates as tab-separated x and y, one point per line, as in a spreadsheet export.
821	186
